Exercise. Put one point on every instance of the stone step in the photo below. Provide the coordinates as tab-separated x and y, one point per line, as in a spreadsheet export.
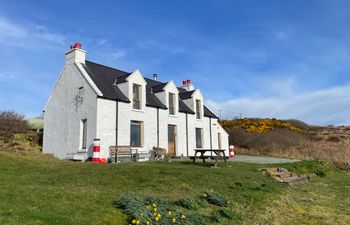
296	180
282	174
271	170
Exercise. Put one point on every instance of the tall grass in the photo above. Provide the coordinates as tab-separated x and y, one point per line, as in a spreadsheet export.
321	143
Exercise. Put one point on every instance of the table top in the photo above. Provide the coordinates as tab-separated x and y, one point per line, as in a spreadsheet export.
210	150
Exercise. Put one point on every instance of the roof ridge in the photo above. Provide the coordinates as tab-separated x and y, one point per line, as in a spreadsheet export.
157	81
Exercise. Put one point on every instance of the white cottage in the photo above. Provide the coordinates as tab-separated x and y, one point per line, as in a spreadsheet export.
91	101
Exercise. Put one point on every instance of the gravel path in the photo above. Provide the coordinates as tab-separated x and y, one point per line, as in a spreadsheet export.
262	159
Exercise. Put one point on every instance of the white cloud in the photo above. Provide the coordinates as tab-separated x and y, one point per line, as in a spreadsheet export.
16	34
7	76
324	107
118	54
102	42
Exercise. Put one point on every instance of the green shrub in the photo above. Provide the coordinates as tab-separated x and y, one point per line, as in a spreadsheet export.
216	198
320	173
160	211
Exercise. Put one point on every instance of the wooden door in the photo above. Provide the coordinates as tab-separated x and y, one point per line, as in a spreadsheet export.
172	140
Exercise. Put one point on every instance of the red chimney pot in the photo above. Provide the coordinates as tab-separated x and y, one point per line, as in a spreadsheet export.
188	82
76	45
184	82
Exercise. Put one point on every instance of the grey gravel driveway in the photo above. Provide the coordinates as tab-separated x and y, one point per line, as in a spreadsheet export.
261	159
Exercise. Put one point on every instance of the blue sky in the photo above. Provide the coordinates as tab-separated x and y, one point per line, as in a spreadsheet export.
284	59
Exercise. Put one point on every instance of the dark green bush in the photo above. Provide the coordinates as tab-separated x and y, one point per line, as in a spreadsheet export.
320	173
215	198
160	211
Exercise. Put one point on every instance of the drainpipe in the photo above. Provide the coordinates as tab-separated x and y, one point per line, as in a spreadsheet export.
157	127
116	122
211	142
187	134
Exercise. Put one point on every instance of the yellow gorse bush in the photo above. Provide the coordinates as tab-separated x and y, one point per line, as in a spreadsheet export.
258	125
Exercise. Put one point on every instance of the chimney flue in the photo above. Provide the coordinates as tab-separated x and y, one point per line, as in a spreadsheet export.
76	45
186	84
155	76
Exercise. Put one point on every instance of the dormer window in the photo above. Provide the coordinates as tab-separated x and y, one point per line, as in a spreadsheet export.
136	91
171	103
198	109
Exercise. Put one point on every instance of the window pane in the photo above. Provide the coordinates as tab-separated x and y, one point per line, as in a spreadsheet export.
83	134
199	138
171	104
198	109
136	90
135	134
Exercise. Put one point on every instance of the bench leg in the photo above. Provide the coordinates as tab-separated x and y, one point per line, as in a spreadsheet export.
225	159
194	158
202	155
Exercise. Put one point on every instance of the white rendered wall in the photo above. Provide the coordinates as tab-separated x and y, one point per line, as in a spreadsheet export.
63	115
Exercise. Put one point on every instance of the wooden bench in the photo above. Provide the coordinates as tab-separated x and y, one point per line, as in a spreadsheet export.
122	150
199	157
219	154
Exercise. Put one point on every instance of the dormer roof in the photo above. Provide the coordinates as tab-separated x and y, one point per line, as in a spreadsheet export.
106	78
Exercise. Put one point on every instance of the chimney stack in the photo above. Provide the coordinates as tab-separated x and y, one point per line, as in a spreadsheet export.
75	54
186	84
155	76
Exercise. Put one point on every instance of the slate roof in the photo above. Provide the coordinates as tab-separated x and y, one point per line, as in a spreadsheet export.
186	95
209	113
158	88
106	77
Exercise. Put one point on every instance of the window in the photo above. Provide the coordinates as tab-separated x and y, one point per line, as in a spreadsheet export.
136	91
171	104
136	134
83	133
199	138
198	109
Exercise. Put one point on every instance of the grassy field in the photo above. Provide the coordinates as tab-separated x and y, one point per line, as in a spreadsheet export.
43	190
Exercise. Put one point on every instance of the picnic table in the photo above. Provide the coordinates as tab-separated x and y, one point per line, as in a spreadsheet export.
219	154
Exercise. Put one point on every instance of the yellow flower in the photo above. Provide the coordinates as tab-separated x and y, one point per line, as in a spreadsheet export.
155	209
157	218
133	221
205	195
148	207
154	214
173	220
137	221
211	190
159	215
154	205
183	216
148	223
169	212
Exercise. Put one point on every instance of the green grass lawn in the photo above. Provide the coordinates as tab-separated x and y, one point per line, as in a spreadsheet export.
43	190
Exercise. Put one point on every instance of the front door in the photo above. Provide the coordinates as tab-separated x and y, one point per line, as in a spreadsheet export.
172	140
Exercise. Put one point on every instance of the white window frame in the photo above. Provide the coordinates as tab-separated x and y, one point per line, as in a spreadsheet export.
139	100
173	105
198	105
199	145
83	134
140	123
